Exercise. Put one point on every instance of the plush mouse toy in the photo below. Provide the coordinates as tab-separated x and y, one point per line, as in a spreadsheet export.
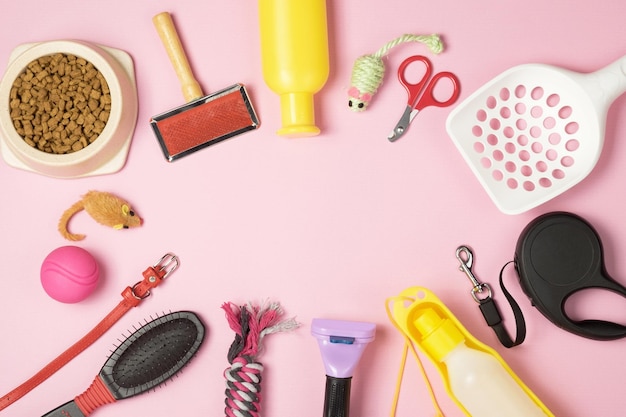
105	208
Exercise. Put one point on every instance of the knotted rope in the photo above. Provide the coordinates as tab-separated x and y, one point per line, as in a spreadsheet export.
243	378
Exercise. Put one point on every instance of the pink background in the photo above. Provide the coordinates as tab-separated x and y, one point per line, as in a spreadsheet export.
328	226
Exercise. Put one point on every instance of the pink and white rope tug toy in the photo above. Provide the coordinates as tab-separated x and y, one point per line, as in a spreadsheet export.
243	378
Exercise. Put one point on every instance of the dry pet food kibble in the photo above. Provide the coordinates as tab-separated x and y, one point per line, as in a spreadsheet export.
60	103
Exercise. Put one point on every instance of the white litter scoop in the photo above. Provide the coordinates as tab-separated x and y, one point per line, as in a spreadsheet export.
535	130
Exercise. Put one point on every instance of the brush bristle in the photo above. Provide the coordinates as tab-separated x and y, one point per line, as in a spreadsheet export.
204	122
153	354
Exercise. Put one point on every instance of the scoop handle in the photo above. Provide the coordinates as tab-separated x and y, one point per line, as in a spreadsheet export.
169	36
607	84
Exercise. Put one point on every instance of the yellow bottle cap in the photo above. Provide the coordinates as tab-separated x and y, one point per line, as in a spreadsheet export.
439	335
298	115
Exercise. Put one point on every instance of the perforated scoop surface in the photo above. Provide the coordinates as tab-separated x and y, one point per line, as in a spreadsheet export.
528	135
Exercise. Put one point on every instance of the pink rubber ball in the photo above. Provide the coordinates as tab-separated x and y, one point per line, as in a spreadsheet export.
69	274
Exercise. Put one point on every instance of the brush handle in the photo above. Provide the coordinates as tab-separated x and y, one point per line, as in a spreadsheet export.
337	397
67	409
97	395
167	32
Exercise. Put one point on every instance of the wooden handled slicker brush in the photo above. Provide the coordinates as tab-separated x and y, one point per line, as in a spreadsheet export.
203	120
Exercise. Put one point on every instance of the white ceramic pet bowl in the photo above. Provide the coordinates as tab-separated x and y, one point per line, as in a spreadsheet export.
108	153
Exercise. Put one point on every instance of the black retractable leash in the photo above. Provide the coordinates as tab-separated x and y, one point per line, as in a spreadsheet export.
557	255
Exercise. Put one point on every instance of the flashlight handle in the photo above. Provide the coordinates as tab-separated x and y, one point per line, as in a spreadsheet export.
337	397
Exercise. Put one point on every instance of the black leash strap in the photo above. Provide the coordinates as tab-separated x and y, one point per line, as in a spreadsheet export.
493	318
487	304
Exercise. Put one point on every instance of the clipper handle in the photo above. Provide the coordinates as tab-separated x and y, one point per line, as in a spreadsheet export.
337	397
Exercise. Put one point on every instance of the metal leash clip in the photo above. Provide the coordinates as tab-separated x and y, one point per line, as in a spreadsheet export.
466	258
487	304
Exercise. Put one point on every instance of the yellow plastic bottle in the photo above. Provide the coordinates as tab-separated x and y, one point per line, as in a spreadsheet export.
475	376
295	59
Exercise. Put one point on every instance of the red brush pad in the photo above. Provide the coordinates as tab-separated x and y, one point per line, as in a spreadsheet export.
187	129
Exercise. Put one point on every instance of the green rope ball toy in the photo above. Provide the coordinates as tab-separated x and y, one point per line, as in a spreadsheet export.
368	70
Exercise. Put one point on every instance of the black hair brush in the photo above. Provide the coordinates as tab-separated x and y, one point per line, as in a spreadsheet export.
148	357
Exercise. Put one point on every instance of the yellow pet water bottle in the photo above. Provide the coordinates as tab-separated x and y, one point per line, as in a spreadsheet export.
294	53
476	377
